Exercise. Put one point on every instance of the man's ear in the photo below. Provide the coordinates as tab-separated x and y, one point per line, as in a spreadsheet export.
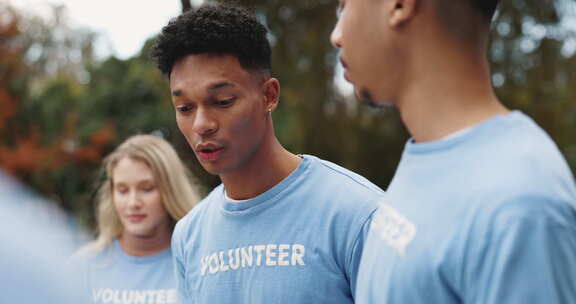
403	11
271	90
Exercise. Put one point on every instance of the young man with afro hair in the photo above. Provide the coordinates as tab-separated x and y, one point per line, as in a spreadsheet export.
483	203
282	228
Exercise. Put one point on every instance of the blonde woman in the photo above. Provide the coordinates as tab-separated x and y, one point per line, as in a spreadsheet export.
147	189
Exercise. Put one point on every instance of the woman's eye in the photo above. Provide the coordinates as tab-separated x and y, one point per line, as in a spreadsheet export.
148	189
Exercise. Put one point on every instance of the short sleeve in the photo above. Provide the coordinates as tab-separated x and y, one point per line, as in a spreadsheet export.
527	255
356	254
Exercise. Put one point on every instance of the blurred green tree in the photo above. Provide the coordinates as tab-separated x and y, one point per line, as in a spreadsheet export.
62	110
41	79
533	56
62	115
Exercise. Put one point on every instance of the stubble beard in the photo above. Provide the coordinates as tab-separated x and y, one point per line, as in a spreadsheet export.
365	97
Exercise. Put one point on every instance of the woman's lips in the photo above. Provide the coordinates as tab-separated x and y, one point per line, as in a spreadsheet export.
136	218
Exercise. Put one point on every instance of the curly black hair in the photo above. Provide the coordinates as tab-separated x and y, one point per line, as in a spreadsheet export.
215	29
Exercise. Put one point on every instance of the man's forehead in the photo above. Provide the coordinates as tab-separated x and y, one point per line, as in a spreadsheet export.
206	61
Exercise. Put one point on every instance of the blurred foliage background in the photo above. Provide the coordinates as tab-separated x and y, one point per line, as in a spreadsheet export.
62	109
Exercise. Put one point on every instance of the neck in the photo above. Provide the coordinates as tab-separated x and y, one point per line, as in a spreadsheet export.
267	167
451	91
145	246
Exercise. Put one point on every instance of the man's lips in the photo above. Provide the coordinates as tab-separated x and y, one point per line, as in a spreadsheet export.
346	76
345	67
209	154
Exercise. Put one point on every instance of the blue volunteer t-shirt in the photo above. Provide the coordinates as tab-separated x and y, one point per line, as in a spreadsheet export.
487	217
114	277
299	242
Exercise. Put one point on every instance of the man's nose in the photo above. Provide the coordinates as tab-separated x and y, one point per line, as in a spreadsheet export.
336	36
204	122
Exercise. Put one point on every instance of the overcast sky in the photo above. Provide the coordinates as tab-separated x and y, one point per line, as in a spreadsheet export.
123	30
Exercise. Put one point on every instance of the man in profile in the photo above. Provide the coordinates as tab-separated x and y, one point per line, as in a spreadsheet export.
483	202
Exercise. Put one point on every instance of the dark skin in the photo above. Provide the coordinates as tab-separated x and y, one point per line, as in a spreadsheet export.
224	111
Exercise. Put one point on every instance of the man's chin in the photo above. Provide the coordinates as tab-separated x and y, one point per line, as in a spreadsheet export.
365	97
210	168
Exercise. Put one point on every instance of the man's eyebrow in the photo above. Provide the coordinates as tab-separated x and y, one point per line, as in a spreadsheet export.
220	85
216	86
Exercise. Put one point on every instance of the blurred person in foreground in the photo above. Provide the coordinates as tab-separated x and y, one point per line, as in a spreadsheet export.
35	241
146	190
483	202
282	228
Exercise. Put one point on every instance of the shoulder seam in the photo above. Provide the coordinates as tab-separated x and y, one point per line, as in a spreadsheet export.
369	185
365	221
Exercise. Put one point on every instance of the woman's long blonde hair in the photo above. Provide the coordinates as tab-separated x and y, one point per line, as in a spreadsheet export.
178	191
